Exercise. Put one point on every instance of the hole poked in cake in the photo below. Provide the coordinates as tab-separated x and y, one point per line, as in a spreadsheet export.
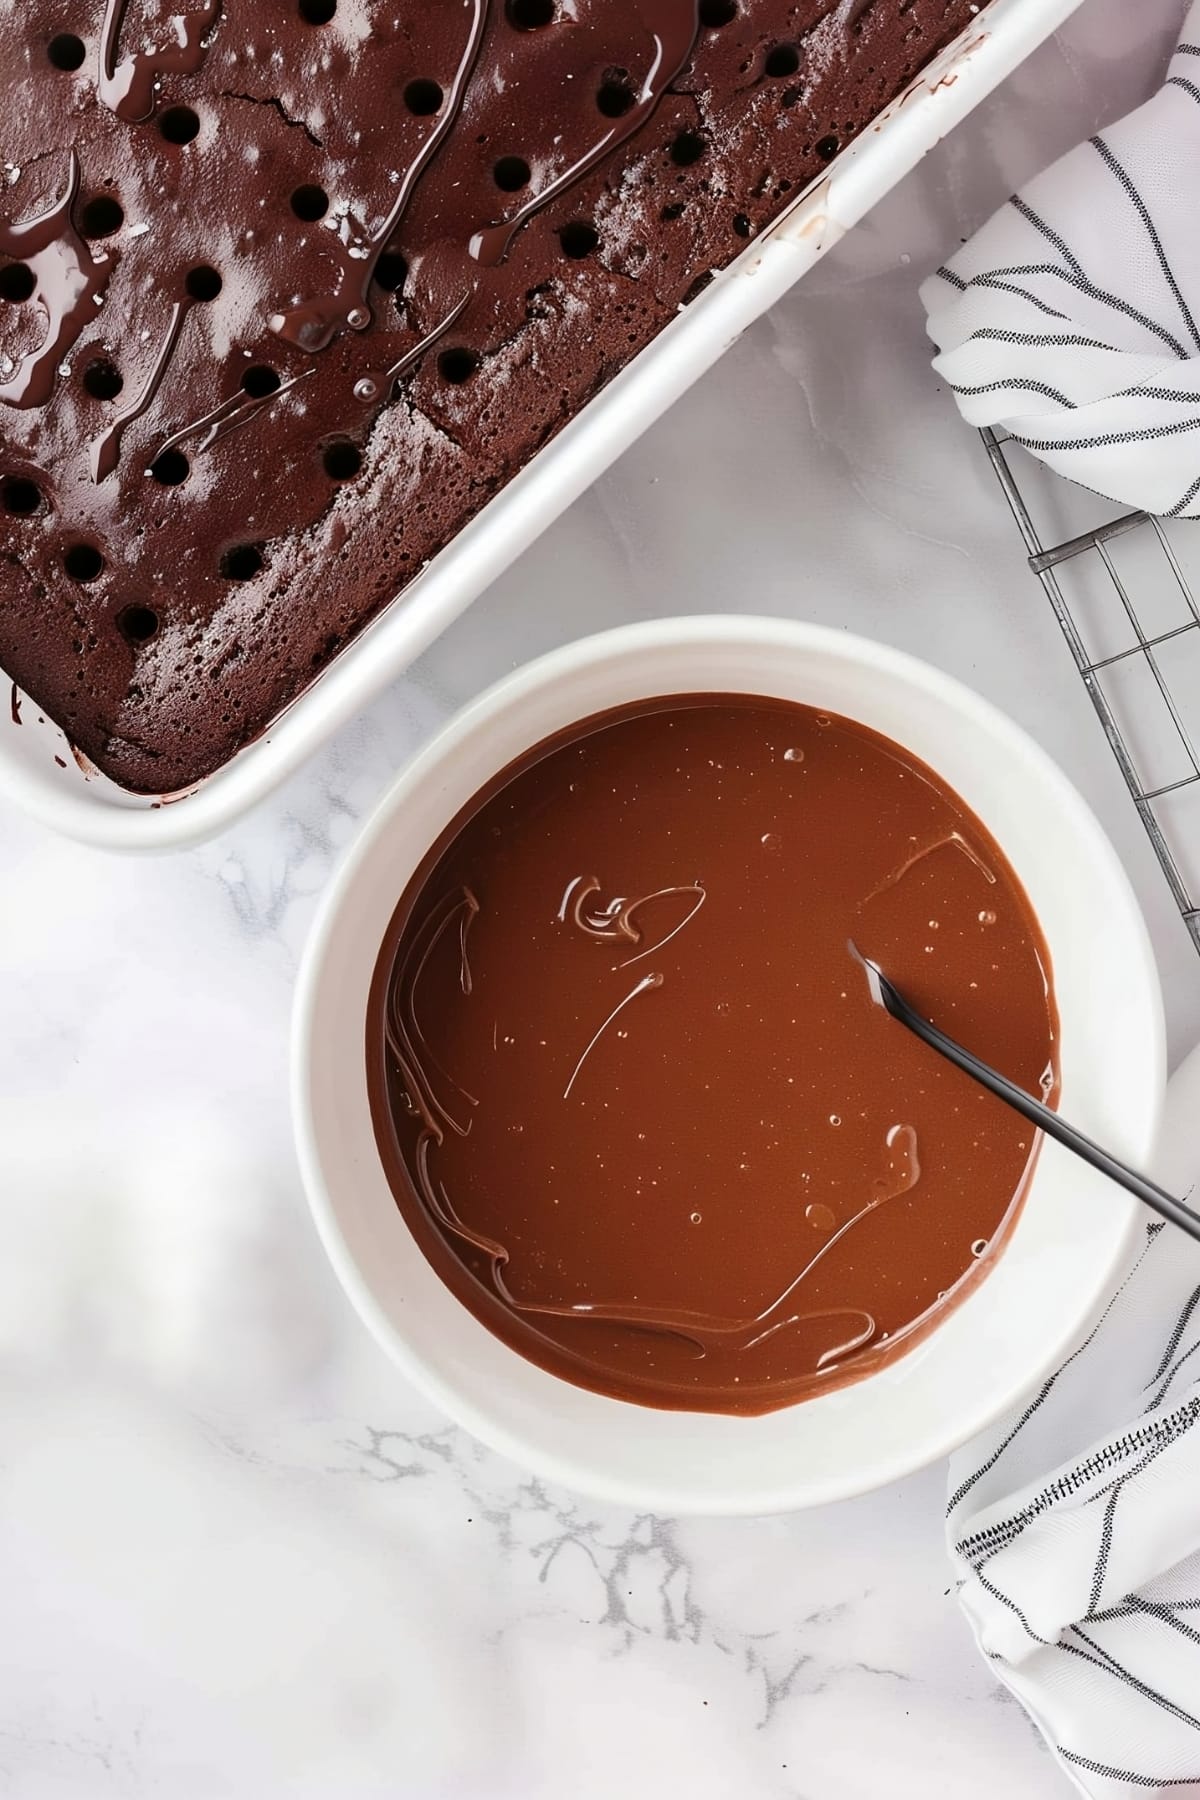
17	282
66	51
423	97
317	12
137	623
715	13
102	379
179	124
687	148
310	201
203	282
615	95
259	381
511	173
827	147
83	562
529	15
781	60
457	364
170	469
391	271
241	562
341	459
102	216
20	496
578	239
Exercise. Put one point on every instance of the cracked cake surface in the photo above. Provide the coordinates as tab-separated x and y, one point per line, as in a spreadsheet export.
290	288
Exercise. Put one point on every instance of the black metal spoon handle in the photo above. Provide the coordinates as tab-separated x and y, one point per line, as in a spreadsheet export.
887	995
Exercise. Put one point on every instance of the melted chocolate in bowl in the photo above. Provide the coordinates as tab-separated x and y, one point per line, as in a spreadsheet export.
628	1085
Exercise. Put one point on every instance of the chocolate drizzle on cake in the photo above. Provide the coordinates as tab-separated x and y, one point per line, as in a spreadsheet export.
130	86
68	282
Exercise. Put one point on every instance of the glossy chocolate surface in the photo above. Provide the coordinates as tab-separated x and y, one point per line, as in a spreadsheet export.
629	1087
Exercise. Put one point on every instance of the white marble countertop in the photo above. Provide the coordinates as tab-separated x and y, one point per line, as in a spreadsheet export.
238	1557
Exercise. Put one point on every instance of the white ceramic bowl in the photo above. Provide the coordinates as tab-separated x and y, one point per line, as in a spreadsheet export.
1074	1230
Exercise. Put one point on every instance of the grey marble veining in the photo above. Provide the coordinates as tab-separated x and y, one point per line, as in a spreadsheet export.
238	1557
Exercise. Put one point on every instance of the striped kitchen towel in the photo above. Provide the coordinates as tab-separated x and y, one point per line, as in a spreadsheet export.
1072	318
1074	1525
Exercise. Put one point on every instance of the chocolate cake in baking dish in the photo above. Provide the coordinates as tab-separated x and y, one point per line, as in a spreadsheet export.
290	288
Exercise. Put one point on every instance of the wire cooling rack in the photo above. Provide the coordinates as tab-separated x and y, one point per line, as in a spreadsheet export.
1123	589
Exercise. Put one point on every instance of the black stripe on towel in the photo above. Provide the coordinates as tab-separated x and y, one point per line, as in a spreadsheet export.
1182	505
1146	435
1067	1485
1152	1438
1189	87
1010	287
954	280
1039	224
1129	1775
965	1487
1176	1337
1110	1665
1083	286
1014	381
1143	212
1133	1603
1157	1609
1042	340
1152	1231
1173	1371
1007	1600
1106	1533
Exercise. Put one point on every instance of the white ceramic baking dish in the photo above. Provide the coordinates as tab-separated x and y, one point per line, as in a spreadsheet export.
40	770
